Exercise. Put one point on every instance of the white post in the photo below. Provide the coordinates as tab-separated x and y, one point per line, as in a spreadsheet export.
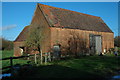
45	58
41	57
35	59
49	56
28	57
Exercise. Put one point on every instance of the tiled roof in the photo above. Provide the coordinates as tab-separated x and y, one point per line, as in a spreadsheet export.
23	34
58	17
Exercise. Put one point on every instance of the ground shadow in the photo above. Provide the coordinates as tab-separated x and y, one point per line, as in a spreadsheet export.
54	72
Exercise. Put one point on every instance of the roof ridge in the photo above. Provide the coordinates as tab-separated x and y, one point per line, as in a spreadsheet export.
68	10
58	17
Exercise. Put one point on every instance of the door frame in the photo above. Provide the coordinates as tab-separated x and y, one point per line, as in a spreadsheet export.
94	43
101	44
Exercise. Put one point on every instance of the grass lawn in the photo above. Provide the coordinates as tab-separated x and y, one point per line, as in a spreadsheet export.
7	53
85	68
88	67
5	63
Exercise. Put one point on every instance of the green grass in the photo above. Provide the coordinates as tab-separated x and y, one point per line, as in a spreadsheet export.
88	67
93	64
7	54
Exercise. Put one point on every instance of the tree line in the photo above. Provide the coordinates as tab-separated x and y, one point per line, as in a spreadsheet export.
117	41
6	44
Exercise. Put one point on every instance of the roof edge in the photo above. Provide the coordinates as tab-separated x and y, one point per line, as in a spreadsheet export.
106	25
21	33
43	13
68	10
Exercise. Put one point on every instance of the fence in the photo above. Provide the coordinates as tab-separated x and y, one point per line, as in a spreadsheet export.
46	55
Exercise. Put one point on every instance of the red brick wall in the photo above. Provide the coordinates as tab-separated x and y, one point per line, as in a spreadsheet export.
37	21
17	45
61	36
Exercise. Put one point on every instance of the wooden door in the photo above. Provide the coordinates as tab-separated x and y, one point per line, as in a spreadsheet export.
98	44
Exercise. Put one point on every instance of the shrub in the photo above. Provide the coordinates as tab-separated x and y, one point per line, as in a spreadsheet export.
6	44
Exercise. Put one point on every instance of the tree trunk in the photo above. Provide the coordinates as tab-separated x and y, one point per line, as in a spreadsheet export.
39	48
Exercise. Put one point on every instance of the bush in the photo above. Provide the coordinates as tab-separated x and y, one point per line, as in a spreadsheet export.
118	50
6	44
117	41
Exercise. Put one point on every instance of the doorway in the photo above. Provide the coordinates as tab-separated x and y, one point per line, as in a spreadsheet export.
21	50
95	44
98	44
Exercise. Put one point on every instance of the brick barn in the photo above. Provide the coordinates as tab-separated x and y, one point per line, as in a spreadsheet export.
74	31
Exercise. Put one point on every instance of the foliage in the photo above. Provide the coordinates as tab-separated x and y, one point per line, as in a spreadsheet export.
119	50
117	41
6	44
35	38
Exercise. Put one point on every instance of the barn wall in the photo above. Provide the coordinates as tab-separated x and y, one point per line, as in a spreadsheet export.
62	35
107	39
37	21
17	45
40	21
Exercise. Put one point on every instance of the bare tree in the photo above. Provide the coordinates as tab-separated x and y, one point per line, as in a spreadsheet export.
34	38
